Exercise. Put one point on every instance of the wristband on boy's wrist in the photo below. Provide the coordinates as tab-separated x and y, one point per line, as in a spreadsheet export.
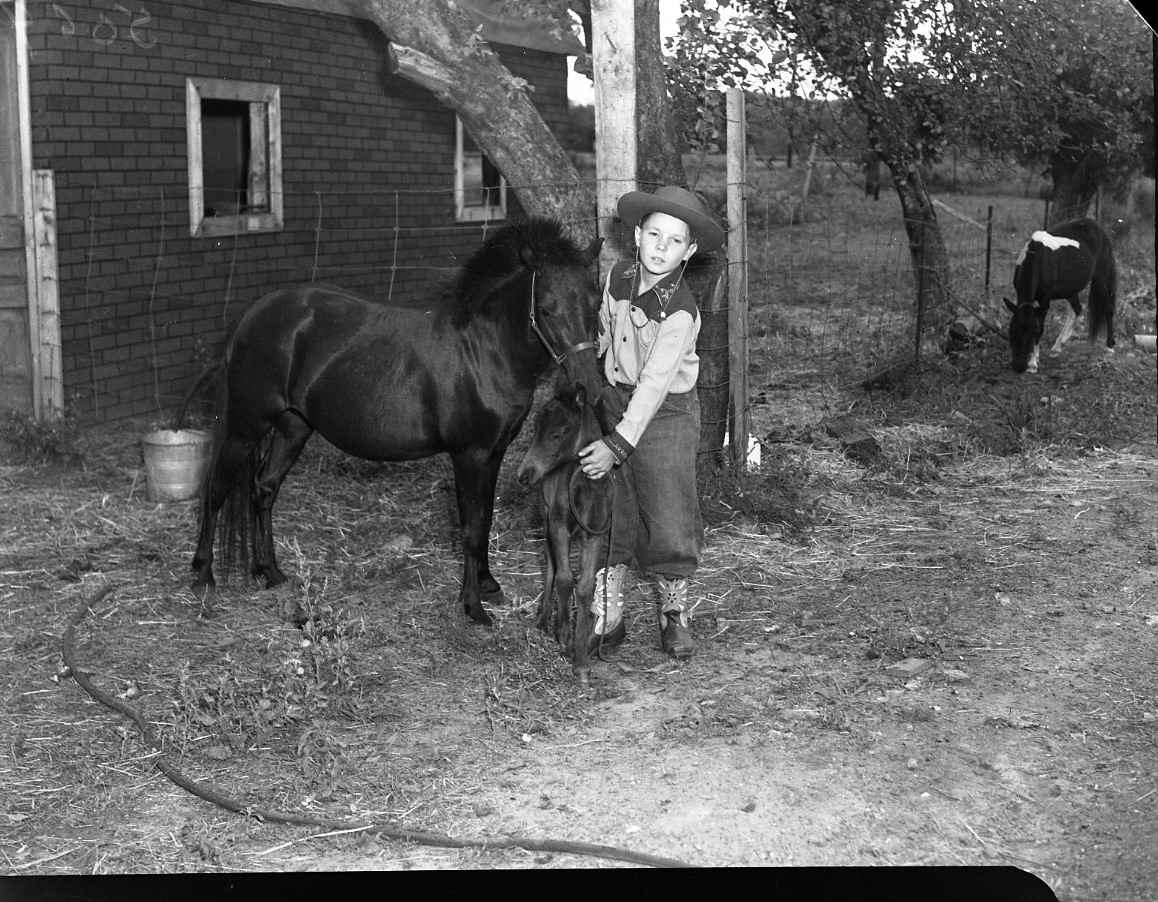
620	447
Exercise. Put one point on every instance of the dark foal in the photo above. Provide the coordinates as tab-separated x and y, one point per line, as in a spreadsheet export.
575	510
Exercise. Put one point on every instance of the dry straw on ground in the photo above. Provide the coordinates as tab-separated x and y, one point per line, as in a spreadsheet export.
376	547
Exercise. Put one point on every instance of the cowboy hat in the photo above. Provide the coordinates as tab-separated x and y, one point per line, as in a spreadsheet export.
677	202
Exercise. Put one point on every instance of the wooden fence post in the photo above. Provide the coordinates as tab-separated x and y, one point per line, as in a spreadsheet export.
613	64
737	178
988	248
48	385
922	281
808	177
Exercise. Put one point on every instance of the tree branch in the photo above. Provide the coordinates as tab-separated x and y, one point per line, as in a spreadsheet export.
437	46
423	70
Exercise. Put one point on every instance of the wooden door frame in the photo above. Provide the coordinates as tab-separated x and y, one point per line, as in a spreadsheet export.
39	249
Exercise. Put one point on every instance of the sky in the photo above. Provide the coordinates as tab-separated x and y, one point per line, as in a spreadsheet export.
579	87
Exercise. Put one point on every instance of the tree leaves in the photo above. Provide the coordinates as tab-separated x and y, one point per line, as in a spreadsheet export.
1049	80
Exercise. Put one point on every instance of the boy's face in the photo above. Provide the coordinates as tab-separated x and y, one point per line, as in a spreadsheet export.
664	243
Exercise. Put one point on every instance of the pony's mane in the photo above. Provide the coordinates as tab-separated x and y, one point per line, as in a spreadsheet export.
538	238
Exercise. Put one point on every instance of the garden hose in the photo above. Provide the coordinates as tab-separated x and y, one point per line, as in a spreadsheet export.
389	832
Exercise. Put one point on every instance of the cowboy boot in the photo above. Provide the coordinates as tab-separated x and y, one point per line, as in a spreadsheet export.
607	607
674	618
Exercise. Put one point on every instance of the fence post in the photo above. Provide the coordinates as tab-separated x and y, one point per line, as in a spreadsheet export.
737	179
613	65
922	246
988	248
47	359
808	177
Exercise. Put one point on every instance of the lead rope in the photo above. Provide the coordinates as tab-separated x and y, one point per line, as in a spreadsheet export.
613	476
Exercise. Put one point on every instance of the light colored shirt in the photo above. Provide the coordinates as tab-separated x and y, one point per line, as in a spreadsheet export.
647	342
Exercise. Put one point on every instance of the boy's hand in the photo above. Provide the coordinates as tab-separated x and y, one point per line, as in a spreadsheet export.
596	460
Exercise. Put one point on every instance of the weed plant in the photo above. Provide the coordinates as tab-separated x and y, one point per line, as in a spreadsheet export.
35	442
301	684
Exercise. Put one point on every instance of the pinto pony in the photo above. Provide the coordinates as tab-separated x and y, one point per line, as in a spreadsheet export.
576	510
1055	265
397	382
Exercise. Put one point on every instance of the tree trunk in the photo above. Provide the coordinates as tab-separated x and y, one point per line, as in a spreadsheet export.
711	289
433	44
659	160
1074	189
928	253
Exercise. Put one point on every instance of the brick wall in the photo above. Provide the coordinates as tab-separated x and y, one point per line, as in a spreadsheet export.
368	163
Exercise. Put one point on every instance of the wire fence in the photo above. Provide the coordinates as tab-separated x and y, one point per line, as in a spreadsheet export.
832	297
837	295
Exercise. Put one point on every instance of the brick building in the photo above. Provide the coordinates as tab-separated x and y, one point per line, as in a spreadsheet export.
202	153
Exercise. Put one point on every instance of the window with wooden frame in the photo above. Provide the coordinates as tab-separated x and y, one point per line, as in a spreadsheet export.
234	135
480	191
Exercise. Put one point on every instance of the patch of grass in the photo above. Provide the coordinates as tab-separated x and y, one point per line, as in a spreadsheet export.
1028	421
322	677
300	683
776	494
322	759
38	442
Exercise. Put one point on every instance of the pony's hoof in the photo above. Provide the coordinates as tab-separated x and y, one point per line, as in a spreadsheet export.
273	577
203	580
494	596
480	616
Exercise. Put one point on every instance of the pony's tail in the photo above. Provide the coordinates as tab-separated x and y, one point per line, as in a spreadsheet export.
235	525
236	528
209	371
1103	296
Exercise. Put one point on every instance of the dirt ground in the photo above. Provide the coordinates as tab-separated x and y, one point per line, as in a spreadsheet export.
934	647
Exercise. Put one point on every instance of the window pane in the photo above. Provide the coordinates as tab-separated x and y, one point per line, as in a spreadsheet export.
225	155
480	190
491	180
473	190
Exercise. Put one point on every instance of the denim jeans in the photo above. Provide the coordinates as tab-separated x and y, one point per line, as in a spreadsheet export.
656	520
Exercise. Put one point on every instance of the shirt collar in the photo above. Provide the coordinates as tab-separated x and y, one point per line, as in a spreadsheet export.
654	302
664	288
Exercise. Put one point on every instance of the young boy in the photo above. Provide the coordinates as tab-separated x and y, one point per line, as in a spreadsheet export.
648	323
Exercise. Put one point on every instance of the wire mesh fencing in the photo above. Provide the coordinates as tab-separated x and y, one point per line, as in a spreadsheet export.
832	295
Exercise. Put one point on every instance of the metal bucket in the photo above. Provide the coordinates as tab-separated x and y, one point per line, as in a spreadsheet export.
175	462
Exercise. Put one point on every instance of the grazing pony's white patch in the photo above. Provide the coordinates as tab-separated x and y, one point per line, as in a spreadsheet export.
1045	239
1053	242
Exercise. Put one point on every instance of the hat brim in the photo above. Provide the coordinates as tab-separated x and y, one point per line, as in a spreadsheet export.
635	205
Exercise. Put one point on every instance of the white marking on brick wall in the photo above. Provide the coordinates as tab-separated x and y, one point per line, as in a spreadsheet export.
132	25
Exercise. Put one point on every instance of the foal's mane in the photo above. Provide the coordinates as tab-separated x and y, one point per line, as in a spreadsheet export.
531	243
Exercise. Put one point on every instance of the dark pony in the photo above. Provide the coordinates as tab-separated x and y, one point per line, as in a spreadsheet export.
397	382
576	510
1055	265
